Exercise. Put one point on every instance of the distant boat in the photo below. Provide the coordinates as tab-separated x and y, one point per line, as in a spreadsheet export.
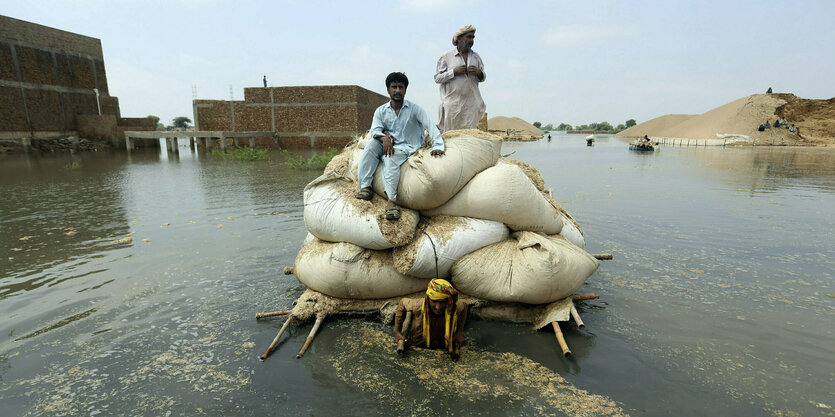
642	146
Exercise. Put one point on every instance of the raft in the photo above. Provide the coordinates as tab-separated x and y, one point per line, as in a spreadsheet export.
641	148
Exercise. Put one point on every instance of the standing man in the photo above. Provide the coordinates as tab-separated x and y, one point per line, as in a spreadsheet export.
459	71
265	81
396	133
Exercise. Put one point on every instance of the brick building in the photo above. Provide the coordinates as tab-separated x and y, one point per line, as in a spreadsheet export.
53	84
302	117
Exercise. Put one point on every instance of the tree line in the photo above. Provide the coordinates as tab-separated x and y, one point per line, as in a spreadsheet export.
180	122
602	127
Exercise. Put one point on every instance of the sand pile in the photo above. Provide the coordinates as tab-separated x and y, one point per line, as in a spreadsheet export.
814	118
501	124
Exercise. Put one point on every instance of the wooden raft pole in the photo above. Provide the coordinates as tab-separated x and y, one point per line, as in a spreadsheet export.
319	319
561	339
576	316
278	336
602	256
272	314
407	324
586	296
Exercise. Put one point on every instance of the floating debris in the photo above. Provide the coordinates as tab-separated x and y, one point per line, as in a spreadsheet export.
124	240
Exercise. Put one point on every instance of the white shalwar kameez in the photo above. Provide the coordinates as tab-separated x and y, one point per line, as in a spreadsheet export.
461	103
406	130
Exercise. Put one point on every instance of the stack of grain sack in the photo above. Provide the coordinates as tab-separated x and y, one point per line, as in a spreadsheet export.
483	222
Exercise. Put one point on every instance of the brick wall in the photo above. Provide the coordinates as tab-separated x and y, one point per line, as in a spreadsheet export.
305	116
47	77
93	126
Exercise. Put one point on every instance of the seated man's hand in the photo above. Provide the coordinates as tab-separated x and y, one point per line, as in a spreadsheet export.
398	337
388	147
437	152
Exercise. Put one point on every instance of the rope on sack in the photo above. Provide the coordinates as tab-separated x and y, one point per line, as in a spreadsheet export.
434	252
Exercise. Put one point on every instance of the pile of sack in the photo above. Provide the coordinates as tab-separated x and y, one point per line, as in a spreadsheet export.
481	221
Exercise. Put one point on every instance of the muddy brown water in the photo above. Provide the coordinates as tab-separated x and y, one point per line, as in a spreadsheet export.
719	300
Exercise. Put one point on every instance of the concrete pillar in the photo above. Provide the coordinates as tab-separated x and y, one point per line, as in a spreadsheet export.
129	143
223	142
26	143
191	143
252	141
235	140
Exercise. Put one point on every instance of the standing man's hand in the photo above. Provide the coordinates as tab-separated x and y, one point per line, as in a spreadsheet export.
459	70
388	144
475	71
437	152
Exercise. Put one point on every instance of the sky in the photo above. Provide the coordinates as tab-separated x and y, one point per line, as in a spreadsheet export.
553	61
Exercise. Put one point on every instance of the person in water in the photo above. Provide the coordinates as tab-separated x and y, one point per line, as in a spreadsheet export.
438	322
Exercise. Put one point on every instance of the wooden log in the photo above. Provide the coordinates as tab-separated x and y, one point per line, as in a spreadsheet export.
319	319
272	314
561	339
407	324
278	336
602	256
576	315
587	296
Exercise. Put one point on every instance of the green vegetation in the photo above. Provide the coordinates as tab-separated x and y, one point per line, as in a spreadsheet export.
537	125
316	161
181	122
72	165
600	127
159	125
549	127
244	154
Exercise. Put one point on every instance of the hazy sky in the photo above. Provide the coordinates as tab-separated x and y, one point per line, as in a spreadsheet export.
550	61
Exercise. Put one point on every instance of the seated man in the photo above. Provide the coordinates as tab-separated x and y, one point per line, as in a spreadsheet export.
396	133
438	322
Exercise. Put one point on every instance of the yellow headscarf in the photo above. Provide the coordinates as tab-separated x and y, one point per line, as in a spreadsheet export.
440	289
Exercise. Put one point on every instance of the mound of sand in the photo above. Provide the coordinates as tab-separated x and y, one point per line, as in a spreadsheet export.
502	124
814	118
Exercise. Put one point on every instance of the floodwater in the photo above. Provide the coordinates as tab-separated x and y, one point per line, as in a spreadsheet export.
719	300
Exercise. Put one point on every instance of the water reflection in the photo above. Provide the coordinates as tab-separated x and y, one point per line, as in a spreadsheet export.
718	252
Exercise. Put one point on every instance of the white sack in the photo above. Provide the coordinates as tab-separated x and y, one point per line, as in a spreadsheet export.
428	181
453	237
348	271
528	268
572	232
332	213
505	194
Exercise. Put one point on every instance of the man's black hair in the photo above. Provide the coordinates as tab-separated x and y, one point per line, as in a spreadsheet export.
397	77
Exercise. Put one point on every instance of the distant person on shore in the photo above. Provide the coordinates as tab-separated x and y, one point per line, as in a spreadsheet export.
768	91
549	137
776	123
396	133
459	72
783	121
767	124
792	129
439	321
761	128
265	81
